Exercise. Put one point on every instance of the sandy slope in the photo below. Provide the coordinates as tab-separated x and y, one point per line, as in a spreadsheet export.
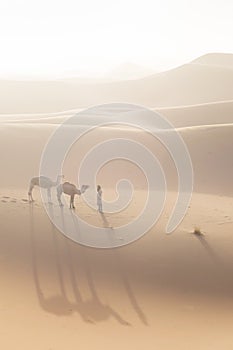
202	114
215	59
210	147
190	115
160	292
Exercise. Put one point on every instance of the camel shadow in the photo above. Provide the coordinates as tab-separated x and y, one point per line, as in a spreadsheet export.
59	303
95	308
91	310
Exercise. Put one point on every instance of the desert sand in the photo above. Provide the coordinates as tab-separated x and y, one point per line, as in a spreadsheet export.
160	292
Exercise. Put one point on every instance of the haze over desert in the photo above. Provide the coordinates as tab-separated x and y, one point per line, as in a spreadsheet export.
116	140
161	291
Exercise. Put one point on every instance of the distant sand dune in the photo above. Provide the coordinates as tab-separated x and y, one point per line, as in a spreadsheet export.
215	59
219	112
186	85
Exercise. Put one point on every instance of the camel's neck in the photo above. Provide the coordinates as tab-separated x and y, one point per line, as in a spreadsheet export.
58	181
77	191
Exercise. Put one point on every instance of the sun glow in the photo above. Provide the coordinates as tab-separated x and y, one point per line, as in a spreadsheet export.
90	38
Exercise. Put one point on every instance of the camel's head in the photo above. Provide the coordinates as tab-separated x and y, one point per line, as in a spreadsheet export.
84	188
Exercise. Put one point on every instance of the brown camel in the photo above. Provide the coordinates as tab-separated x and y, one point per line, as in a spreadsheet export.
71	190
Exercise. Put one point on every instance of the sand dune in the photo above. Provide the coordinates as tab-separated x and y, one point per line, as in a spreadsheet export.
210	148
161	292
207	113
149	293
215	59
181	116
185	85
34	116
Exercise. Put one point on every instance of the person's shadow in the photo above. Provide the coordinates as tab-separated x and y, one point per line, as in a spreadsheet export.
201	238
105	221
121	271
91	310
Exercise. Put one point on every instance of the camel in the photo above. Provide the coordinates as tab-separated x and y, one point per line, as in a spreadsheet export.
43	182
71	190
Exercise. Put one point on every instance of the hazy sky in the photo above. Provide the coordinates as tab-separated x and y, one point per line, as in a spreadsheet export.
92	36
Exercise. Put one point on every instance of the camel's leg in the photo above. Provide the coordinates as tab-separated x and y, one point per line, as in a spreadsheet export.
72	202
30	198
49	195
59	193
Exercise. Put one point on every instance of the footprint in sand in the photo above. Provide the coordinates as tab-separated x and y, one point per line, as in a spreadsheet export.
9	199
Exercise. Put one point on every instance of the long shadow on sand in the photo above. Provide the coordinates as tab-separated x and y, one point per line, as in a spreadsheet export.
121	270
59	303
91	310
213	256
